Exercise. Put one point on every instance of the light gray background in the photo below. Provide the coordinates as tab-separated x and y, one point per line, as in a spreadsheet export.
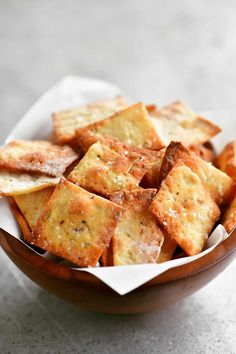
155	51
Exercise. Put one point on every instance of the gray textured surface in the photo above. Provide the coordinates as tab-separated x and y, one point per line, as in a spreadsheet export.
153	50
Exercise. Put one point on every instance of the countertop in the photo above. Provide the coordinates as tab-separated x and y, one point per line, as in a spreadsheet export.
155	51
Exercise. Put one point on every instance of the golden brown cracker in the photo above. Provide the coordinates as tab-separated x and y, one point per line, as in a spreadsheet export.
184	209
217	182
26	231
177	122
137	238
31	205
104	171
227	160
229	217
41	157
131	125
76	225
67	122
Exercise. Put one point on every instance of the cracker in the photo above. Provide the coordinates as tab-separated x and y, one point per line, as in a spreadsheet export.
184	209
104	171
177	122
141	156
143	159
76	225
131	125
67	122
167	249
26	231
40	157
227	160
12	184
31	205
217	182
229	218
129	151
206	153
137	238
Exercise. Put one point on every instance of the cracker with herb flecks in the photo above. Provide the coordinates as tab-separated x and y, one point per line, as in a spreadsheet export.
147	159
218	183
144	159
41	157
177	122
67	122
76	225
131	152
184	209
31	205
131	125
104	171
137	238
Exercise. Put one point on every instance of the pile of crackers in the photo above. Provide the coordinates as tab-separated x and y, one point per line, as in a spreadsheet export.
121	184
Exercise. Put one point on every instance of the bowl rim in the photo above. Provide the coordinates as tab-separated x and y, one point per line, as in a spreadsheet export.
17	250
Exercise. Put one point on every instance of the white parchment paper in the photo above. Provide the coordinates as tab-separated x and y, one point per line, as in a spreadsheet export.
37	124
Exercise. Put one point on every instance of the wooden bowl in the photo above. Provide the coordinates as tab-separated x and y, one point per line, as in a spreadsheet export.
85	290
